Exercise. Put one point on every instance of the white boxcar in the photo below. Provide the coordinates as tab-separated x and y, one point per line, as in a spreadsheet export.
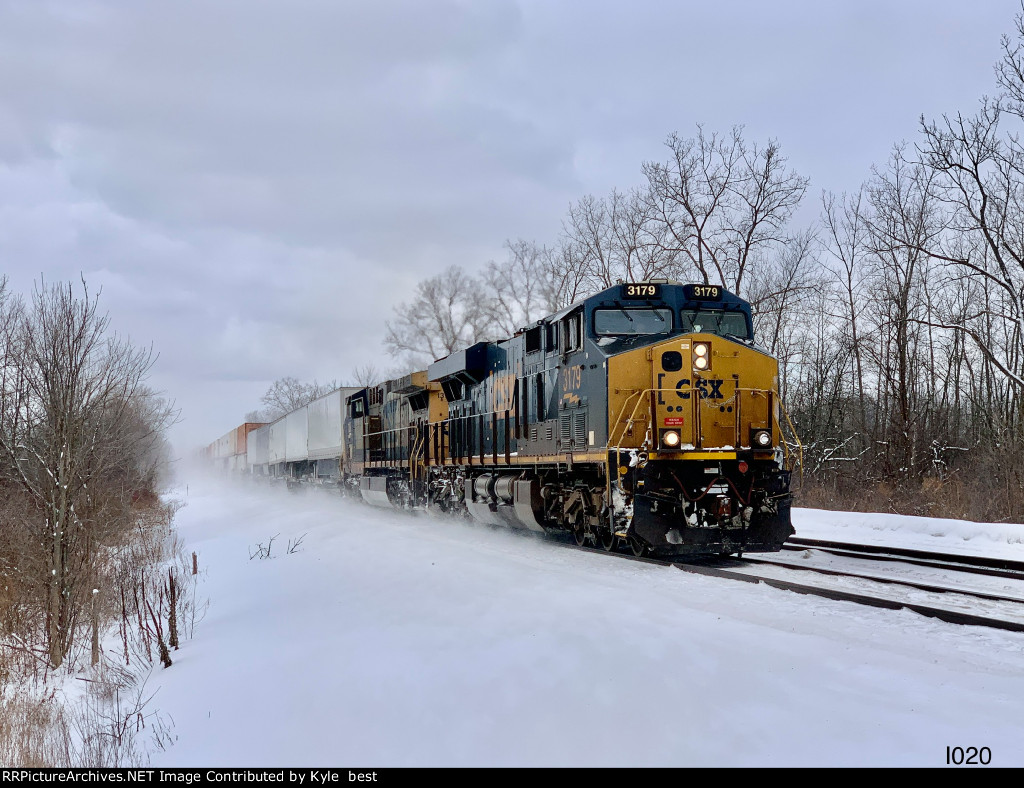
225	446
297	430
326	424
257	445
277	444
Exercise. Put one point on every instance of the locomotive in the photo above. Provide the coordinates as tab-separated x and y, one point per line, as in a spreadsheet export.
643	417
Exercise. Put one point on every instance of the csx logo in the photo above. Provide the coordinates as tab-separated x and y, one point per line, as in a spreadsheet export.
706	389
710	389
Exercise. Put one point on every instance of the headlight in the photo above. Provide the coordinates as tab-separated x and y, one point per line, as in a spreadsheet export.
761	439
670	439
701	355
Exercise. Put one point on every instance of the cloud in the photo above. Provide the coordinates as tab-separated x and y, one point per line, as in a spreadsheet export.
255	184
315	122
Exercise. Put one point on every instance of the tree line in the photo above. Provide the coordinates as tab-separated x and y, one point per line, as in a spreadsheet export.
289	393
82	449
897	317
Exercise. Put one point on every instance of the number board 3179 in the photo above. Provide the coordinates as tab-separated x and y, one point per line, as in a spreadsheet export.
641	290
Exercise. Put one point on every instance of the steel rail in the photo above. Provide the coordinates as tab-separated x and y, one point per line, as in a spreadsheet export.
888	580
942	614
995	567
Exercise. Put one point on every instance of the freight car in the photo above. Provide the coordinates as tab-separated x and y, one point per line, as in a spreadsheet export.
643	416
230	451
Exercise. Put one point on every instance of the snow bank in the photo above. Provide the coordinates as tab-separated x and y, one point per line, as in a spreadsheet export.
394	640
998	540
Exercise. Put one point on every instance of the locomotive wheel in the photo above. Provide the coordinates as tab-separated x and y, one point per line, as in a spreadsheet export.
579	532
608	540
639	548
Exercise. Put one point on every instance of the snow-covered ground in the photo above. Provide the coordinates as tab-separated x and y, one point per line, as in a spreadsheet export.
396	640
999	540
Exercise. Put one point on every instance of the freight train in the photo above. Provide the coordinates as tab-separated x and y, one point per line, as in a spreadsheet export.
644	417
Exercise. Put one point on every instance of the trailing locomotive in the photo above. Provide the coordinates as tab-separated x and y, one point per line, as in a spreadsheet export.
644	415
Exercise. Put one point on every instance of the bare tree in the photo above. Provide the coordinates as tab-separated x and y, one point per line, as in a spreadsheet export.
449	311
565	274
782	287
588	227
847	241
365	375
287	394
640	241
619	239
519	290
978	167
903	220
722	203
1010	70
980	183
78	440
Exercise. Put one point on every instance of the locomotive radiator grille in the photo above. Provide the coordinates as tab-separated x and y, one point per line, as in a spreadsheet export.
573	430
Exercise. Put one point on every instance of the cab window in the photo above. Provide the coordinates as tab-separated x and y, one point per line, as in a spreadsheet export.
572	335
626	321
715	321
552	337
533	339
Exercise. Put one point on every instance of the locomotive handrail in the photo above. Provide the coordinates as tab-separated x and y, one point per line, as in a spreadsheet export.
465	445
629	423
444	454
385	448
799	445
695	407
414	455
770	394
632	420
619	425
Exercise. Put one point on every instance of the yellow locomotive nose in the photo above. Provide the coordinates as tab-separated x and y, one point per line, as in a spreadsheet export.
711	394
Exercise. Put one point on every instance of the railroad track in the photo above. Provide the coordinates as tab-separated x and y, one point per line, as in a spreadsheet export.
921	586
744	570
737	569
994	567
944	614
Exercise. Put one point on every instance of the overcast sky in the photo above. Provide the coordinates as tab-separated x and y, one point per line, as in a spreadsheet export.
255	184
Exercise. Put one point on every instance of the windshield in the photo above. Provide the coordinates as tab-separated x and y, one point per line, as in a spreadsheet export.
632	321
715	322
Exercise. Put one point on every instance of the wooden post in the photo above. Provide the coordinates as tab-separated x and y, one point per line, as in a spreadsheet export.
172	611
95	627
